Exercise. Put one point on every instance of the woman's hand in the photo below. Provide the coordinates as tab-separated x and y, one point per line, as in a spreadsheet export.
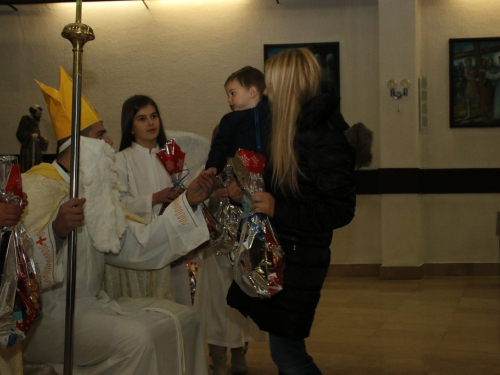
263	202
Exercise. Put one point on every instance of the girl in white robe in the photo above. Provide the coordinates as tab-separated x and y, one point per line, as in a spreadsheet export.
145	185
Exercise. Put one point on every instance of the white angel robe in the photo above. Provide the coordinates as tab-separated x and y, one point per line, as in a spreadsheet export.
141	174
222	325
124	336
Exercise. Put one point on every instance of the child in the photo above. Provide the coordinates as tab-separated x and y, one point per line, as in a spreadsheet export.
246	127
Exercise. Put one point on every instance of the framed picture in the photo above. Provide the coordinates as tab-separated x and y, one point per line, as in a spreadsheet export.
474	82
327	55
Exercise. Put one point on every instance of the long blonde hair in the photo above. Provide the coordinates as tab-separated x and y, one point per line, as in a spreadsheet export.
293	78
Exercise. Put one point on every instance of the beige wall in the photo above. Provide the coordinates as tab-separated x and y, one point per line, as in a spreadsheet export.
180	53
442	147
457	228
408	230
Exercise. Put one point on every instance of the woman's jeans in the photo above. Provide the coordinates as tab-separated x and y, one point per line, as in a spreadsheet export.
291	357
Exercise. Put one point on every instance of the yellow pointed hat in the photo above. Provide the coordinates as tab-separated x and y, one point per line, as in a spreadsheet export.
60	103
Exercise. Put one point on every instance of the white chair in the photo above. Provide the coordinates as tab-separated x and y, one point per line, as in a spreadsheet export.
196	148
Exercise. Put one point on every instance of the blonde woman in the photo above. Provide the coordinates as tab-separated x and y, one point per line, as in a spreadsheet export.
310	192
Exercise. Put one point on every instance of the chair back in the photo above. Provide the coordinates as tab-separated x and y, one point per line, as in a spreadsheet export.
196	148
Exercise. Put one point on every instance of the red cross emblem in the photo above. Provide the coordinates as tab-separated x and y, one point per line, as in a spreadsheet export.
41	240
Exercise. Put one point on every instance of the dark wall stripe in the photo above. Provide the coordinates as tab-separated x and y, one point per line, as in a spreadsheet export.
452	181
428	181
418	181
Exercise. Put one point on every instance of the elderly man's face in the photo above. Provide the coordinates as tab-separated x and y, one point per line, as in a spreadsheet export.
98	131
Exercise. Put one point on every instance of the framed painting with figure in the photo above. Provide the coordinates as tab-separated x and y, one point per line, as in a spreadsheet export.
474	82
327	55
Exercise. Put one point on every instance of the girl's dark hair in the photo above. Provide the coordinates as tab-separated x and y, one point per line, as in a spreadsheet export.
129	109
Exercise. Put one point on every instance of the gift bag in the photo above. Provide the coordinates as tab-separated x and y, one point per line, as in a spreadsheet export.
20	287
8	285
258	260
228	214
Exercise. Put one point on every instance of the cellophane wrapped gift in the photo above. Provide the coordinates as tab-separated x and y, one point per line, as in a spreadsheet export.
8	285
20	287
172	158
228	214
258	260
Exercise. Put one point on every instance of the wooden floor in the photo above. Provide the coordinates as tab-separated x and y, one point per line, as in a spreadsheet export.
448	325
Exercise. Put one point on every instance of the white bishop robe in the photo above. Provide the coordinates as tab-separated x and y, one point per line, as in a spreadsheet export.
123	336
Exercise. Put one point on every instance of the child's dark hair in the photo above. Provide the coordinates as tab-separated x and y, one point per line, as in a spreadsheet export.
248	76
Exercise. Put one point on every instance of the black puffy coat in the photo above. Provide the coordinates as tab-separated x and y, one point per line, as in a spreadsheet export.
327	202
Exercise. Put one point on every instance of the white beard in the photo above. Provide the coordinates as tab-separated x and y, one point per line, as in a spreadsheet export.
104	217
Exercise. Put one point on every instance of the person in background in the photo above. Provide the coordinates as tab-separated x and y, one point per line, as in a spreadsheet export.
245	127
32	141
310	184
